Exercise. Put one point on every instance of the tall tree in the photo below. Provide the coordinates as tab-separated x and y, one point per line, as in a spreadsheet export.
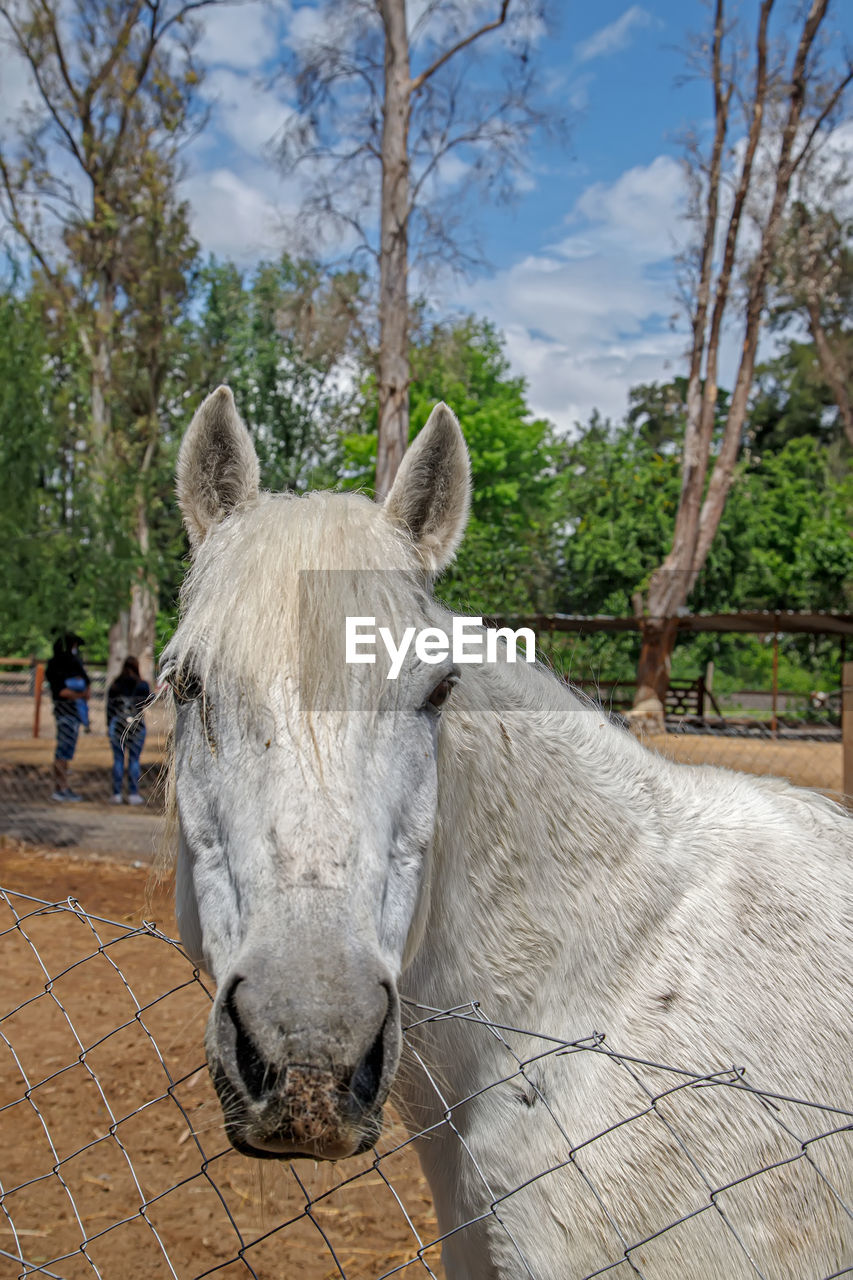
284	338
813	280
506	561
383	98
155	278
114	86
787	103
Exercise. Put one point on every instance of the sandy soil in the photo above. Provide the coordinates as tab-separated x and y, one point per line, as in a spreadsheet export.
91	1123
807	763
105	1109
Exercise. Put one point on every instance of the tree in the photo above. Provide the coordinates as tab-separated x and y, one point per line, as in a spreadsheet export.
91	172
784	536
506	561
52	574
787	109
813	278
791	399
382	100
156	279
284	338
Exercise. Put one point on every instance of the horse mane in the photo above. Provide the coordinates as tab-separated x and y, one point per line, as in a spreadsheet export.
272	563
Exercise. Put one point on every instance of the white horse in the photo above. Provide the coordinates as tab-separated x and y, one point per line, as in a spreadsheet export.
481	833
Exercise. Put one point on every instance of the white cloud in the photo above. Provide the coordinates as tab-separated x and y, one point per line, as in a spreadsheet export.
615	36
240	36
245	112
588	317
644	207
233	217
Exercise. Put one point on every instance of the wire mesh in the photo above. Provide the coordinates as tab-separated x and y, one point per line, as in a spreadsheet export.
112	1147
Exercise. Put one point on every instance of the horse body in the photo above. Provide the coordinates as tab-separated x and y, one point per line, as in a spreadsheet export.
342	835
693	915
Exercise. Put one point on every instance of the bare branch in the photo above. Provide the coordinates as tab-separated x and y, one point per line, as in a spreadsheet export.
27	53
50	18
420	80
20	227
119	45
821	119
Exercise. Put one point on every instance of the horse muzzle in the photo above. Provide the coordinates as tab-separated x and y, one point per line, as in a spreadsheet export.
288	1091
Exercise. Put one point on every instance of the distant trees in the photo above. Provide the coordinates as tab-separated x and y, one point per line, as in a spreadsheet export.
571	525
784	536
284	337
786	105
813	282
507	558
383	98
88	186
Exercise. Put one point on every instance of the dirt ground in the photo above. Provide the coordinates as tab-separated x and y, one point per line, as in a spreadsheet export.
109	1129
805	763
104	1108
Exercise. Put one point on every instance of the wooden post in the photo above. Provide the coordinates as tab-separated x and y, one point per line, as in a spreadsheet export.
847	731
39	681
709	685
773	719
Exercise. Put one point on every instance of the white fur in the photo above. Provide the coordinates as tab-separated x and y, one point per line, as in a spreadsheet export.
525	854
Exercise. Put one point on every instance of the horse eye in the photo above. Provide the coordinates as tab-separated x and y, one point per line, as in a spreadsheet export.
186	687
440	693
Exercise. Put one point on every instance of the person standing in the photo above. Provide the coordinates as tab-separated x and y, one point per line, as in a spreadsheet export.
70	688
127	697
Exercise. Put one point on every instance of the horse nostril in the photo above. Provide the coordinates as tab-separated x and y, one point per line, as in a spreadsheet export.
367	1076
255	1074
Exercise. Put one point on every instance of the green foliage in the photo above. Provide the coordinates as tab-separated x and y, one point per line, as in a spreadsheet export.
619	497
785	540
505	562
783	543
571	525
49	566
791	399
282	338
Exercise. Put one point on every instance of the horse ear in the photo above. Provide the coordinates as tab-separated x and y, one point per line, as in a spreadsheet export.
432	492
217	466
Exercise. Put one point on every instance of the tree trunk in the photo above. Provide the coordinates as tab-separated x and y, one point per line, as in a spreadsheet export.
134	631
695	524
102	372
655	659
393	435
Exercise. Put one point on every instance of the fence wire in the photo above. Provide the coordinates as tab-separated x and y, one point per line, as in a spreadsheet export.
112	1147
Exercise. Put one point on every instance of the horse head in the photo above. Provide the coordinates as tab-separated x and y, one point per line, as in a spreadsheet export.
305	787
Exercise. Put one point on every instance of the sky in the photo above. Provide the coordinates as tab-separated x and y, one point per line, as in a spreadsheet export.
580	276
581	271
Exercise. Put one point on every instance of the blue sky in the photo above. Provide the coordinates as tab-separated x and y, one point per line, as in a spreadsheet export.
582	271
581	279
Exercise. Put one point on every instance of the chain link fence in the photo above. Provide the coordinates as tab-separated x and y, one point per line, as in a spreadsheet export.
112	1149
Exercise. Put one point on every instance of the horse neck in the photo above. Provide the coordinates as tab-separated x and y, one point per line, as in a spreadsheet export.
548	862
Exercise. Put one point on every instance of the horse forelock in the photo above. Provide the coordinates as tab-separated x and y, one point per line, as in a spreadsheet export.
264	604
